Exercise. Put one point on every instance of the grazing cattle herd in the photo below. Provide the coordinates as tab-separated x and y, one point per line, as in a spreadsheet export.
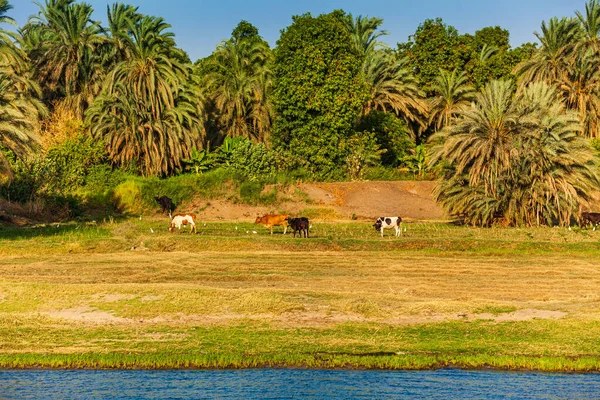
302	225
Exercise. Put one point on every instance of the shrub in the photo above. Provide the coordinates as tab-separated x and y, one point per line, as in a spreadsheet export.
253	160
363	152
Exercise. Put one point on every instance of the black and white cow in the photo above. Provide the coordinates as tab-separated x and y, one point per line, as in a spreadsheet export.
388	223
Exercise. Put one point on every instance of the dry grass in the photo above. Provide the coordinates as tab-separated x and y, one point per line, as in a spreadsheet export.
483	293
297	288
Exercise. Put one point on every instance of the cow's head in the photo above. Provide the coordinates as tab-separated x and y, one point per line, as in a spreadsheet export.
377	224
172	228
258	220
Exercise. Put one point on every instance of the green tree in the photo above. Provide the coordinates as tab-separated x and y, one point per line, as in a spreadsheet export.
120	18
318	91
392	85
365	33
435	46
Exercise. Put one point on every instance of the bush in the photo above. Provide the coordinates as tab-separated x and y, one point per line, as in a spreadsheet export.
102	177
363	152
68	163
254	160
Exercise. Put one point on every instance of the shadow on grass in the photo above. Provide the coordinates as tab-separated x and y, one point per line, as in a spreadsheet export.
50	230
60	229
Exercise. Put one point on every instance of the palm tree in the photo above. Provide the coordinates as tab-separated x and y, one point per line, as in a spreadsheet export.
392	87
20	108
480	142
516	159
391	83
580	89
65	56
365	34
558	39
120	18
9	53
239	87
149	114
590	22
453	95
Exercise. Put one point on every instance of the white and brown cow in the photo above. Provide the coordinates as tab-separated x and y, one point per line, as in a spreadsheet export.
388	223
183	219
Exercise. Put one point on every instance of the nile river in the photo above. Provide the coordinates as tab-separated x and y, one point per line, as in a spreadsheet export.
295	383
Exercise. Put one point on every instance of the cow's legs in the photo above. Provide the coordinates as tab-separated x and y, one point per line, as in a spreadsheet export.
381	231
398	231
285	229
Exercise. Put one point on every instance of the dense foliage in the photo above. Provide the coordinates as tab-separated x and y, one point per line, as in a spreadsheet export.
516	159
83	105
317	91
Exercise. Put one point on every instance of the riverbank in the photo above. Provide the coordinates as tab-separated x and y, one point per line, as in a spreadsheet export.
129	295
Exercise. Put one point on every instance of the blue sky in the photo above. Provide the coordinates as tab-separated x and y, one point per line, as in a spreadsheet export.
199	25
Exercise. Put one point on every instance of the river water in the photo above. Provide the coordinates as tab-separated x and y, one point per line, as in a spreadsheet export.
295	383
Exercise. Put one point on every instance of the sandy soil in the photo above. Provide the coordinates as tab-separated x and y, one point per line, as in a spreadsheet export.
411	200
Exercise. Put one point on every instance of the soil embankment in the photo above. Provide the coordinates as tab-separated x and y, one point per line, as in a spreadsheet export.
412	200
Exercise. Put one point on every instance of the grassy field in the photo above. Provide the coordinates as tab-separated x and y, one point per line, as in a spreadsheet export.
128	294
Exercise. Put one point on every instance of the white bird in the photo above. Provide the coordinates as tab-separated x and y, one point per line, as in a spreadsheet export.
140	217
204	224
254	232
569	228
247	232
151	230
58	225
236	228
404	229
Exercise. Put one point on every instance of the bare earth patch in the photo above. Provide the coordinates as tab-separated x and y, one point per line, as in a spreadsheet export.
412	200
87	315
292	320
528	314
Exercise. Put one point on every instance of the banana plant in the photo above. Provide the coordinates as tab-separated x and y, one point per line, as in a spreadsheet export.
200	161
417	161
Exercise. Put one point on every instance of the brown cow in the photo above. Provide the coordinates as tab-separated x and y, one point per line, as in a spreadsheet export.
590	218
271	220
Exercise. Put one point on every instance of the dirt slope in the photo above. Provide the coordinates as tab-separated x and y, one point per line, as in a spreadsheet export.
412	200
